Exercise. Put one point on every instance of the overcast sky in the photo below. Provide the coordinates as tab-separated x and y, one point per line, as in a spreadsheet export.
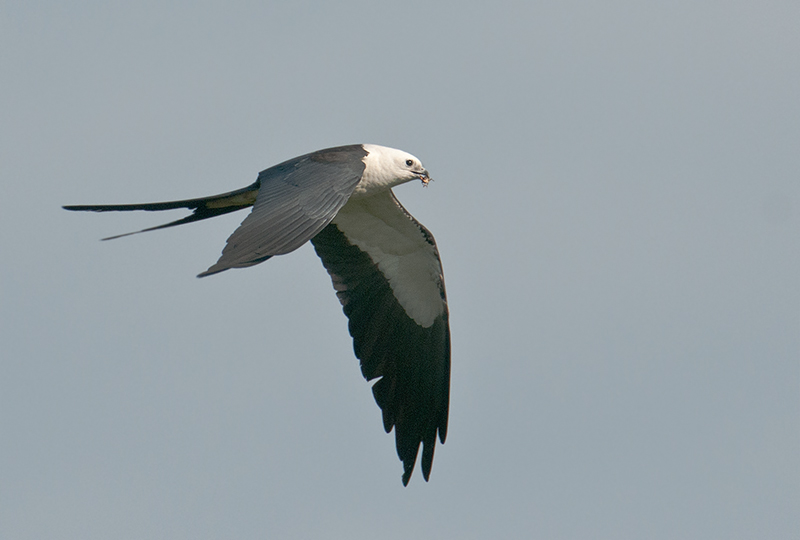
617	207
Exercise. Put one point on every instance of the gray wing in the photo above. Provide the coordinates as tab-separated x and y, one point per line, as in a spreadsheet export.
296	200
387	274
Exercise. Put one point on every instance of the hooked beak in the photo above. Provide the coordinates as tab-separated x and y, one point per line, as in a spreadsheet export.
425	177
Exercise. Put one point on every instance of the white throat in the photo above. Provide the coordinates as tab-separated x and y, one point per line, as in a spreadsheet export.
381	171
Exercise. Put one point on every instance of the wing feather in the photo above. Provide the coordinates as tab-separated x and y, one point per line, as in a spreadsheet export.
401	345
297	199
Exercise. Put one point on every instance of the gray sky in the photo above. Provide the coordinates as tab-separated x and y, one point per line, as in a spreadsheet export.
617	207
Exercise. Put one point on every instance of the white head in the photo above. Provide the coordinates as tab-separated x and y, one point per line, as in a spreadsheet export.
385	168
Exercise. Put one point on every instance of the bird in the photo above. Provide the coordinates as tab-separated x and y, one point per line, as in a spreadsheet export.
384	265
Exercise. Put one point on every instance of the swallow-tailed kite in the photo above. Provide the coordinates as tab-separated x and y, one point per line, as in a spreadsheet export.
384	265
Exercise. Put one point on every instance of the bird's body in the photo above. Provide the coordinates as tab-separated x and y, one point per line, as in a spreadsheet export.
384	265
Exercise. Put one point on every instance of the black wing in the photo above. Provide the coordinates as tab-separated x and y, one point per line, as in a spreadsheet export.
387	274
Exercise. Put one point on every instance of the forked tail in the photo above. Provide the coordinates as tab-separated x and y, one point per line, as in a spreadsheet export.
202	208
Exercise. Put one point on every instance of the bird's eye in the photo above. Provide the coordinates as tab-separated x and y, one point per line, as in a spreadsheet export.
409	162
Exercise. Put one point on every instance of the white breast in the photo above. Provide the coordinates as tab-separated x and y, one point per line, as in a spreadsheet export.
378	226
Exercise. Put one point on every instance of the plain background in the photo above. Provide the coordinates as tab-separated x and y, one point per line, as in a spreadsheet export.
617	205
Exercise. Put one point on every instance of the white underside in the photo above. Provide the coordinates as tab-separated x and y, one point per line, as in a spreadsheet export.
379	227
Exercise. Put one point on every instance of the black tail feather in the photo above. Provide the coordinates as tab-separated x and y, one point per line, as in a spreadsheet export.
202	208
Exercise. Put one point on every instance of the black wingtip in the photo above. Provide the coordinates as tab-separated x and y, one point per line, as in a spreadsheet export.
426	474
209	272
408	469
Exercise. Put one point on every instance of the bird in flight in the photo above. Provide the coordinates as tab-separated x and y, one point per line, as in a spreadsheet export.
384	265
